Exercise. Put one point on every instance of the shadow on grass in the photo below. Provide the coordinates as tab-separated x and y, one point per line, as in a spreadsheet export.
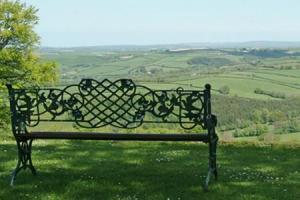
144	170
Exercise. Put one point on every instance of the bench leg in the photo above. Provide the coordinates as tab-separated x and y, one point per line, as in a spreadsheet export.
207	180
214	158
212	163
24	159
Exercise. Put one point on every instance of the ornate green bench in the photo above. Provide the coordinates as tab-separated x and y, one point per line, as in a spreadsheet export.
120	103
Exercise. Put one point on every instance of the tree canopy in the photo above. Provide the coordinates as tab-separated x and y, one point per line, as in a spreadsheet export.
19	60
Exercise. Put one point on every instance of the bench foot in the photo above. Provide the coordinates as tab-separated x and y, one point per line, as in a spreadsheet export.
206	182
24	159
211	172
212	168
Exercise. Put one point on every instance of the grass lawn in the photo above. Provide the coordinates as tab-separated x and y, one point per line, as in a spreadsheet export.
149	170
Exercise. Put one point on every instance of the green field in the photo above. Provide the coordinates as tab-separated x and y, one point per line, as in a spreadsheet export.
241	72
144	170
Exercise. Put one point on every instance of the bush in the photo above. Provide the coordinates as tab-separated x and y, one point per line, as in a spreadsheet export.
224	89
254	130
273	94
216	62
284	127
277	116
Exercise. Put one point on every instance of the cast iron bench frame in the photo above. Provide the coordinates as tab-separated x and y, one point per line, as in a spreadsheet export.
120	103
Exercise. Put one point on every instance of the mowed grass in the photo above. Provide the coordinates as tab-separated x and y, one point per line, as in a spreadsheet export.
244	83
243	87
150	170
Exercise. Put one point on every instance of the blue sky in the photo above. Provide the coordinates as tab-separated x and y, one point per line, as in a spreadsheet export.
140	22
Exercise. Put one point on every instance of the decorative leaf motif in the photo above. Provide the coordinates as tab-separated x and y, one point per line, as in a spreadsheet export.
120	103
77	114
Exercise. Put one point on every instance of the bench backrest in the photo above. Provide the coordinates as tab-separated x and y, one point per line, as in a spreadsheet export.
120	103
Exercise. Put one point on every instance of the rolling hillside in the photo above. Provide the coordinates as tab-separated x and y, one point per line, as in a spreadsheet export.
241	70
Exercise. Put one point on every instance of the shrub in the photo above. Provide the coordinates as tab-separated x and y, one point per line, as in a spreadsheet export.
273	94
289	126
224	89
254	130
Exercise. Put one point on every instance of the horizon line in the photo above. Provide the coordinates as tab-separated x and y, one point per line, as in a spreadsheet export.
179	43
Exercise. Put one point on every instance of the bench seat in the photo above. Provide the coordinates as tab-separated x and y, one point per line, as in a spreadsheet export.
116	136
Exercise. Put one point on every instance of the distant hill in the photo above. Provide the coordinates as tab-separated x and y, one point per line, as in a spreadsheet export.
251	44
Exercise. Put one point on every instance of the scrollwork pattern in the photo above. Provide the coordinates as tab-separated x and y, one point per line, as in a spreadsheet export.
120	103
